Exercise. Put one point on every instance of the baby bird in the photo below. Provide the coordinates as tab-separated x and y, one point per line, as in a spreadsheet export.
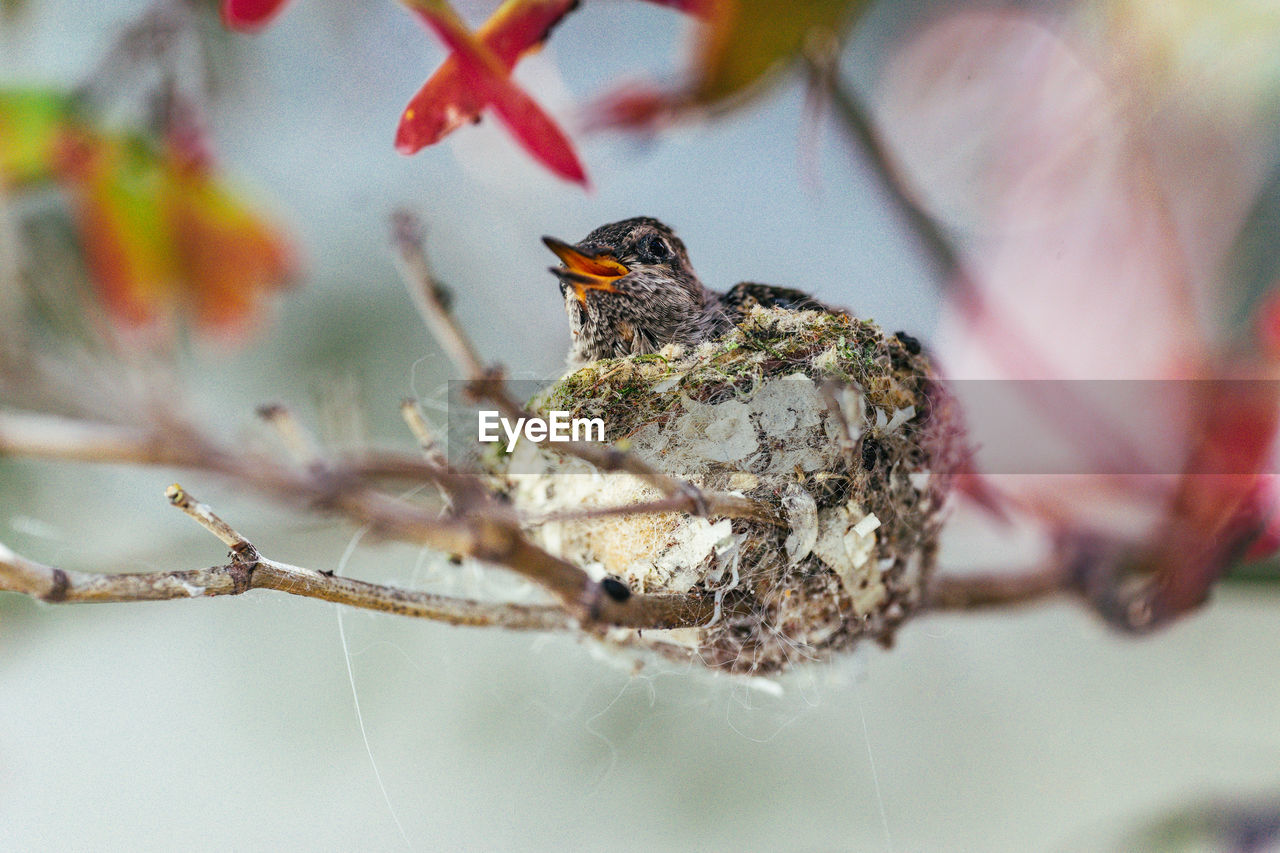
629	289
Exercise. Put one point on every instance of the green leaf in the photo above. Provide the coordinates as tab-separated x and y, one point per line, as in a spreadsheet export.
32	124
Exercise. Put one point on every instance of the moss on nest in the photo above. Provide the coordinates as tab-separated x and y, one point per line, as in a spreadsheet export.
746	414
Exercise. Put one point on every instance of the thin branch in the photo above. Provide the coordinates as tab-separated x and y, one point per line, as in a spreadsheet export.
331	488
210	521
676	504
52	437
988	590
418	426
249	570
12	260
428	296
857	121
298	441
392	465
47	583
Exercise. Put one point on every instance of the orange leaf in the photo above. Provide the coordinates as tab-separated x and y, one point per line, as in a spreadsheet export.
228	256
163	238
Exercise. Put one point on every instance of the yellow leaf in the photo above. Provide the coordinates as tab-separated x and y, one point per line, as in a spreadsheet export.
744	41
32	122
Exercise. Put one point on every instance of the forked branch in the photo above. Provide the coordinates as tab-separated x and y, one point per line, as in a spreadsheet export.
248	570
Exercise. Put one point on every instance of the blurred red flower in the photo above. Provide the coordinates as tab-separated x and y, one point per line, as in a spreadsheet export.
1092	247
250	15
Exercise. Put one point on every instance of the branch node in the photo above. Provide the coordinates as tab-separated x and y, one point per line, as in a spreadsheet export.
697	500
58	587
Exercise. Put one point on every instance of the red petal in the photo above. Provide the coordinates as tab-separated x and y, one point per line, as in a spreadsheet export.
697	8
446	101
440	107
483	77
521	26
247	16
537	132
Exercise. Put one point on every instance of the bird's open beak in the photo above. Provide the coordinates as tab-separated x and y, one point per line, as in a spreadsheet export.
585	272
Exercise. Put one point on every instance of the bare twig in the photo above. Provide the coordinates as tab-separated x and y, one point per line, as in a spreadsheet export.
427	294
997	589
418	426
249	570
52	437
209	520
676	504
297	440
1084	567
857	121
433	456
12	254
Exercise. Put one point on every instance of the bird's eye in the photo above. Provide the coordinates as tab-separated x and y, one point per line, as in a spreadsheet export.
656	248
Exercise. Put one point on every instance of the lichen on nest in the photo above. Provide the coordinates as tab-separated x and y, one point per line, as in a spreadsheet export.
747	414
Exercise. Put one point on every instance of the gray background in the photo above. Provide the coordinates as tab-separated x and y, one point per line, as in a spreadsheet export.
230	724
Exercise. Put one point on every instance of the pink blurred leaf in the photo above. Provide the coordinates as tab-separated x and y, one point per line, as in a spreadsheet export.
1082	253
1220	510
636	107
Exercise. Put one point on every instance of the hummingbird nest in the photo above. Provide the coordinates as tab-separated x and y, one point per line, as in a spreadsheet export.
861	490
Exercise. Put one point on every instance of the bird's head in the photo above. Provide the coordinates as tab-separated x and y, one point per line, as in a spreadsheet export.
628	288
615	258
